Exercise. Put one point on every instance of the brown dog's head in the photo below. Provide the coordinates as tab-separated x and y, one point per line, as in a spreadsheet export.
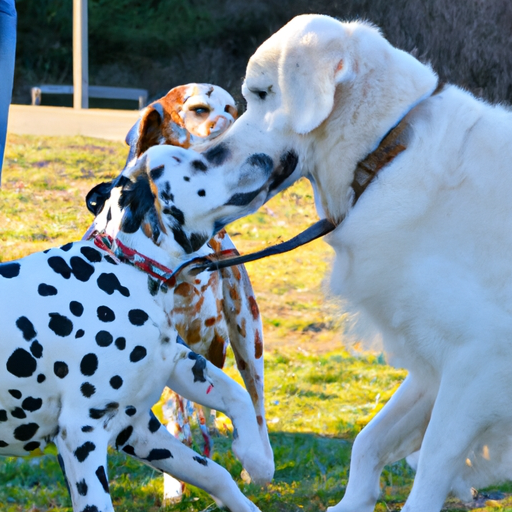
187	115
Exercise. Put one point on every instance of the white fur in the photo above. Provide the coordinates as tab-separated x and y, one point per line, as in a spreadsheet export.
425	253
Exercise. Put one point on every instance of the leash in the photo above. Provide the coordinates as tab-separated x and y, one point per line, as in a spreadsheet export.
391	145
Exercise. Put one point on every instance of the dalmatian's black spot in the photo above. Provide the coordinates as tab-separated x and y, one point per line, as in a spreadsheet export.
137	317
82	452
26	327
199	166
30	447
82	488
199	366
153	286
87	389
116	381
218	154
96	414
10	270
153	424
60	369
186	178
120	343
67	247
137	354
123	436
129	450
159	454
104	339
32	404
130	410
110	260
79	334
109	214
37	349
41	378
81	269
105	314
3	415
102	477
15	393
18	413
91	508
197	240
202	460
176	213
87	428
76	308
166	193
46	290
157	172
3	444
61	325
21	363
201	193
93	255
26	432
89	364
109	283
60	266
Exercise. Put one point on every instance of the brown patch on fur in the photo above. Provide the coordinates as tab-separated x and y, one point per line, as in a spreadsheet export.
231	110
241	328
217	350
210	321
215	244
199	304
237	273
146	229
190	331
259	419
255	312
258	345
184	289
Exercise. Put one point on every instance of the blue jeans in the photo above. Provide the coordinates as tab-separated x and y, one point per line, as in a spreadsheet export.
7	54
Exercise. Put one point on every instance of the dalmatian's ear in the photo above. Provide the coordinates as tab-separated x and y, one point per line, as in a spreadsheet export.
97	196
312	66
139	204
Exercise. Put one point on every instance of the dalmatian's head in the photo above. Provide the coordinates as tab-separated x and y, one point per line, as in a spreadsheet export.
177	200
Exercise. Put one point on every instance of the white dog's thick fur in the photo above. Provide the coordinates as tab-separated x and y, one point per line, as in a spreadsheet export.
426	252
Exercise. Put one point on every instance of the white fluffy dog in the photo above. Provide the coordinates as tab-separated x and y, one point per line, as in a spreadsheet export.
426	252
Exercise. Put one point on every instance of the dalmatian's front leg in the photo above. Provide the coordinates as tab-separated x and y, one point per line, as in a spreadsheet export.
83	450
149	441
198	380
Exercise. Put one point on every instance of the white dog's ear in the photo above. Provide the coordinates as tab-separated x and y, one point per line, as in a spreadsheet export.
310	69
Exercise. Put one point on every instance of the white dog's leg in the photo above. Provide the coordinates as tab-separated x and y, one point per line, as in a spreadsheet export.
464	409
198	380
394	433
84	461
151	443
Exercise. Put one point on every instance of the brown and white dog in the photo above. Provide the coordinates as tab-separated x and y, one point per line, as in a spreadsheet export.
213	309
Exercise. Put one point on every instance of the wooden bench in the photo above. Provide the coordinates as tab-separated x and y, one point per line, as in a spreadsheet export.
95	91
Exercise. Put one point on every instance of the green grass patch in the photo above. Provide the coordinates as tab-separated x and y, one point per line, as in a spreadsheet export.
318	394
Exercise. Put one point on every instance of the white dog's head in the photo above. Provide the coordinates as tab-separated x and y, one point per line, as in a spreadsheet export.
320	95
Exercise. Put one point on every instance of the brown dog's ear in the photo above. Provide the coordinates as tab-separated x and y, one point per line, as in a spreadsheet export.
150	128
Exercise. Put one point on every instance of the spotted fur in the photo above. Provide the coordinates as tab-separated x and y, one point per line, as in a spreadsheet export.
209	310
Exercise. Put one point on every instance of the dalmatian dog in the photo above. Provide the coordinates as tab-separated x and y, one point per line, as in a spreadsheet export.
417	176
211	310
88	344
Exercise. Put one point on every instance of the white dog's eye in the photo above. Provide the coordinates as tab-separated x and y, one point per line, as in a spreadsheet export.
261	94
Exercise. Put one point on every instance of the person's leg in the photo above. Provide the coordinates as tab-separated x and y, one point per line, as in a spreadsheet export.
7	54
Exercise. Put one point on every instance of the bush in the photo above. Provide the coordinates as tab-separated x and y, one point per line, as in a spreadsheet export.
157	44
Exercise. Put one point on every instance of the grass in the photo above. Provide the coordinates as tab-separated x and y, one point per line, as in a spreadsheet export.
318	394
